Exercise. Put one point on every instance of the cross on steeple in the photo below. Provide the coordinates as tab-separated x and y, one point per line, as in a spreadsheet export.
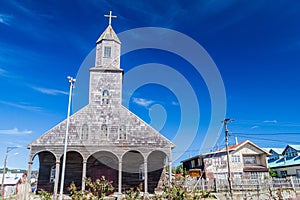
110	16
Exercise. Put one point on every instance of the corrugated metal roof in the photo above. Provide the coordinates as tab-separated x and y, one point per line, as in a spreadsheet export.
295	146
277	150
284	162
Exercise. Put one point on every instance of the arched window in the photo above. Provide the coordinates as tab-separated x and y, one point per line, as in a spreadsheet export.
84	132
105	97
122	133
104	131
52	174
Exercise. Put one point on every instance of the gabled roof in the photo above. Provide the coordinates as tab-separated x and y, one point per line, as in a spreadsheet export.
296	147
231	148
140	135
109	34
238	146
276	150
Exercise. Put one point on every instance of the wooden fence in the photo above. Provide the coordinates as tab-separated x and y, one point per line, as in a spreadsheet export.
219	185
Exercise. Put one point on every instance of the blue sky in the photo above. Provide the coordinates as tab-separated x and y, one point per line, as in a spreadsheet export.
254	44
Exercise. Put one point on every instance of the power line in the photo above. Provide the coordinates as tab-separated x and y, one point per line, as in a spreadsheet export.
280	133
269	139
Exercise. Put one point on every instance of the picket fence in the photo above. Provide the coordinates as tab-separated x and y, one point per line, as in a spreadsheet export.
219	185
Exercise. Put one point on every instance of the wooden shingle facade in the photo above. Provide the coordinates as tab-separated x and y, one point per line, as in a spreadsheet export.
105	138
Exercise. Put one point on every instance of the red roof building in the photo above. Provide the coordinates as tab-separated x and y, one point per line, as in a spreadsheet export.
246	160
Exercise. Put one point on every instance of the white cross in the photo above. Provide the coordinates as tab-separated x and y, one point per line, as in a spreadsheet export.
110	16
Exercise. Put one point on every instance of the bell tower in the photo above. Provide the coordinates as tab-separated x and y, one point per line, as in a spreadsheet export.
108	47
106	76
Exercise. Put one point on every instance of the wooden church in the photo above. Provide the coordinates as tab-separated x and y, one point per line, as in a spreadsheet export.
104	138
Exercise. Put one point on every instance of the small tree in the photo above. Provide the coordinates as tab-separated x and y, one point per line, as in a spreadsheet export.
179	169
273	173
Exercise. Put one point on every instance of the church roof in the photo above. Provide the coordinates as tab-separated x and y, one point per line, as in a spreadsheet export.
109	34
139	132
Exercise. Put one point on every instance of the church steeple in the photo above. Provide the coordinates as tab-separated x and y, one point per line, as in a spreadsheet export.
108	48
106	76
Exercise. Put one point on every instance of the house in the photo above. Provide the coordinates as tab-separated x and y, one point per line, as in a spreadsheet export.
276	153
247	160
104	138
285	162
10	183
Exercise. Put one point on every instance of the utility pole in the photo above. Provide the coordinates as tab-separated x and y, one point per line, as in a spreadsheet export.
8	149
225	121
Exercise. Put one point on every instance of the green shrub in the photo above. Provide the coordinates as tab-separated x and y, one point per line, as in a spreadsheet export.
95	190
45	195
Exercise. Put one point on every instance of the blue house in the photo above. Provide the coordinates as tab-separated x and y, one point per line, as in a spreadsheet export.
285	161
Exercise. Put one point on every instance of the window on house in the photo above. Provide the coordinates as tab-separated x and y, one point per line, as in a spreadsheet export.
295	154
291	153
84	132
199	162
105	97
52	174
104	131
220	175
254	175
235	158
107	52
193	163
274	157
122	133
249	160
283	174
142	172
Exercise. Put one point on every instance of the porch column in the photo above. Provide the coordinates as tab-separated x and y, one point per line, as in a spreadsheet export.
28	180
170	172
29	170
83	175
145	176
57	168
120	178
170	168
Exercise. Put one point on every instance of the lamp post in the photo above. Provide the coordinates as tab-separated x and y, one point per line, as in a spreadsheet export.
8	149
71	81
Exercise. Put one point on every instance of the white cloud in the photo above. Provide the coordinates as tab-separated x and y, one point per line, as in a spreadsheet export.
5	19
22	106
4	73
15	131
143	102
270	121
49	91
254	127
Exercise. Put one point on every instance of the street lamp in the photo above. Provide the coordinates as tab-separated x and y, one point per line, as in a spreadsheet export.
71	81
8	149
